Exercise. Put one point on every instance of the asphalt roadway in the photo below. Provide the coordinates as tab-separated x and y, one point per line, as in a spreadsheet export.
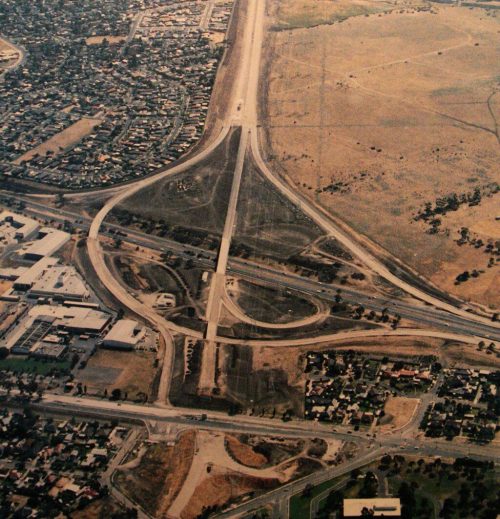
296	428
418	312
243	112
371	446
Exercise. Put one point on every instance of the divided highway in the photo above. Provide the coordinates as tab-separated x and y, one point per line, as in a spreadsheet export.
418	312
450	321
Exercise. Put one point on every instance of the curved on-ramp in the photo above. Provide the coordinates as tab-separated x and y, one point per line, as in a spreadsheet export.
244	112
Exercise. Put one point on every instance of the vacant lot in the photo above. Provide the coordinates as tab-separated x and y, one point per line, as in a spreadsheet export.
398	412
65	139
106	507
97	40
267	222
380	114
272	306
160	474
131	371
195	199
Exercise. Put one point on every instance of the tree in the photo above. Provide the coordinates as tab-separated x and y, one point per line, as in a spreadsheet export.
369	488
307	492
407	495
464	493
59	199
355	473
4	352
116	394
448	509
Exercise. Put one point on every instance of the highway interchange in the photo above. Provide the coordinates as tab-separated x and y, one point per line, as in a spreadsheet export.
416	311
434	316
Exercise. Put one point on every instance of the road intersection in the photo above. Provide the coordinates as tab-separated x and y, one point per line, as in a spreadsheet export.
439	318
371	445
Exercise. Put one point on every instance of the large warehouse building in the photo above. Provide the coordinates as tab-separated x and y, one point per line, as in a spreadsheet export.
15	227
124	335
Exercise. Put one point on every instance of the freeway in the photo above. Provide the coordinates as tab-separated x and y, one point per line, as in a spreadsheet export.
429	310
416	311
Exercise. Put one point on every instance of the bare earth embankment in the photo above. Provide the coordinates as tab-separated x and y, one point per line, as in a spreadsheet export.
393	108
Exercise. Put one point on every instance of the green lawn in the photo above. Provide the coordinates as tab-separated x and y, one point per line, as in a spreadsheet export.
27	365
435	489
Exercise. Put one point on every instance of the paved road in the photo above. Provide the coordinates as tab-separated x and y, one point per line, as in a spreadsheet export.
20	59
417	311
315	501
207	14
257	425
371	447
286	491
107	476
219	278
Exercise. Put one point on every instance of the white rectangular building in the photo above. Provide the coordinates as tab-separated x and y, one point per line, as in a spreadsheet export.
60	281
16	227
124	335
373	507
26	280
49	241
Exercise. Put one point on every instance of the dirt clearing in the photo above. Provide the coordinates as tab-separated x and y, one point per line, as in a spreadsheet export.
161	472
244	454
131	371
398	412
112	40
63	140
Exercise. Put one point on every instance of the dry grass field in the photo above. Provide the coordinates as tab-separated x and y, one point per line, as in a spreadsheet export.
160	474
68	137
398	412
131	371
299	13
376	115
219	489
112	40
